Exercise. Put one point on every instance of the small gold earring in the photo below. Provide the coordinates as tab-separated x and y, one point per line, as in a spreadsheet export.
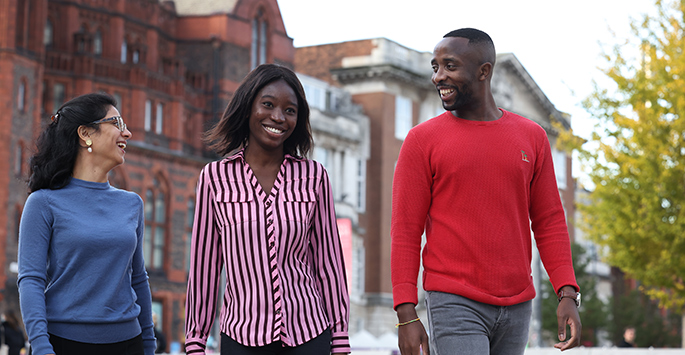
89	143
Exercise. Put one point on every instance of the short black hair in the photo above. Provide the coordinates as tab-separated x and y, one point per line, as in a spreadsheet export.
232	130
479	38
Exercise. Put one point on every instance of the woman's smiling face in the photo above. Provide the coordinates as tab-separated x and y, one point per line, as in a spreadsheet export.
273	117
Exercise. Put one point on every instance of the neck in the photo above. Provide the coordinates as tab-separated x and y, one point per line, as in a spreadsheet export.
86	168
482	110
263	158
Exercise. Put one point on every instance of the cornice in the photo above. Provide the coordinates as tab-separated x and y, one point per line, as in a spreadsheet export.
383	72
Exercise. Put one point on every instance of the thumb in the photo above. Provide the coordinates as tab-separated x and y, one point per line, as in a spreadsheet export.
562	330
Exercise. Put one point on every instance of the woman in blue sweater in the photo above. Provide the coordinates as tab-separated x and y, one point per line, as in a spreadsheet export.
83	287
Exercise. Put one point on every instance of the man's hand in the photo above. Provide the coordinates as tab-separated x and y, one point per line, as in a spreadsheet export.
412	338
567	314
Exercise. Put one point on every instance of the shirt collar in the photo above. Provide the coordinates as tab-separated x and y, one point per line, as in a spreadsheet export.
240	154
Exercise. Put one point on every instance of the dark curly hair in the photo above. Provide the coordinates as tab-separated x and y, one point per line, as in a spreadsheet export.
58	144
232	130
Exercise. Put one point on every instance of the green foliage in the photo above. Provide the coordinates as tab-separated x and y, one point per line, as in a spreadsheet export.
651	327
637	160
594	313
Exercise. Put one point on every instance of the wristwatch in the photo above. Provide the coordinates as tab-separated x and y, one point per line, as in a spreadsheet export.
575	296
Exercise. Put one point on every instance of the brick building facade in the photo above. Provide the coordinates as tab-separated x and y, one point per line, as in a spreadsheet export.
171	65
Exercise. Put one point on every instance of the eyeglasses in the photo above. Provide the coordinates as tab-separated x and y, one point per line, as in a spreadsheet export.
117	120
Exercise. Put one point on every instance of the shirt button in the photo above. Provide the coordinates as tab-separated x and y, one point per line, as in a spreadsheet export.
278	311
268	203
269	221
271	245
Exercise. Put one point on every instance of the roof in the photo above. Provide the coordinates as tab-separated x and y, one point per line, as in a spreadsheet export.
204	7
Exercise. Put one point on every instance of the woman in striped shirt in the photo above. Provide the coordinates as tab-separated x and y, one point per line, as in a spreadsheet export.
266	213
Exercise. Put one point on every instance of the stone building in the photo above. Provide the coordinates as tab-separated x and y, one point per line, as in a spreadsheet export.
392	85
171	65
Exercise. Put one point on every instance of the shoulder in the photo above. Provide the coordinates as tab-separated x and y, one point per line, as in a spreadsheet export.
526	124
128	198
432	125
301	168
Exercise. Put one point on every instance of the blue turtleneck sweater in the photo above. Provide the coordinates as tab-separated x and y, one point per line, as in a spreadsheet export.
81	270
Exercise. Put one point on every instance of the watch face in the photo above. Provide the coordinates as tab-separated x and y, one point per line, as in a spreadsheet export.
578	299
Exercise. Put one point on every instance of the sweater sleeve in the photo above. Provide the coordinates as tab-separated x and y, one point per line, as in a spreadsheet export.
411	198
35	231
141	286
329	263
548	221
205	268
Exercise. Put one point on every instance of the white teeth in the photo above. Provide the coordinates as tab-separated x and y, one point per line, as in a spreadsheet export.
122	145
274	130
446	91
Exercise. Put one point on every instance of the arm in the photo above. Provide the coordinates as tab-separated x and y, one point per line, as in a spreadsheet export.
35	232
328	260
205	268
551	237
141	286
411	197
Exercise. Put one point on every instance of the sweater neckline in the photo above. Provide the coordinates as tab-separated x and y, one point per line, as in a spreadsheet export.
505	116
89	184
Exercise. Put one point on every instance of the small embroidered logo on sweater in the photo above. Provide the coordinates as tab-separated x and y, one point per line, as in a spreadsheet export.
524	157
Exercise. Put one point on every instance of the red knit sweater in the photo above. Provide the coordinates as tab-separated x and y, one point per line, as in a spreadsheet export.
477	188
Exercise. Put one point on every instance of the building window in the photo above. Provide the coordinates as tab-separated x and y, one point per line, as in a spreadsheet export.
159	120
316	96
47	34
190	218
117	97
403	117
259	37
148	115
361	185
58	96
97	43
21	96
358	262
136	56
18	160
559	159
155	226
124	51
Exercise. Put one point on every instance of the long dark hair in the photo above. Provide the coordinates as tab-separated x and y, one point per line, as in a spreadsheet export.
58	144
232	130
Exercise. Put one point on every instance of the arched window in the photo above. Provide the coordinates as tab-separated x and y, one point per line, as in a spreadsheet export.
259	37
155	226
97	43
21	95
190	218
47	34
124	51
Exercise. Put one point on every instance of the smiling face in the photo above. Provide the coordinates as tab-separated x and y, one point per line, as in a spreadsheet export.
455	72
273	117
109	142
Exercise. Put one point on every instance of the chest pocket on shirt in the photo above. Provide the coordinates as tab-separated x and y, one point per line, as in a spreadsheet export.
235	207
298	205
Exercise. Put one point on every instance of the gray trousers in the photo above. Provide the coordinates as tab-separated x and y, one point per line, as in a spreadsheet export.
458	325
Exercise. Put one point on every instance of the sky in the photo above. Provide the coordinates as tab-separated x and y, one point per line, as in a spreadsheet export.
560	43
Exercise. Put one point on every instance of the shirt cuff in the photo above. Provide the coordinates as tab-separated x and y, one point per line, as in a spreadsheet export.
195	346
340	343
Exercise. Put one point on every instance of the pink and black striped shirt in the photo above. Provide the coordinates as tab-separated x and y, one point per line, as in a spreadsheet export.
283	257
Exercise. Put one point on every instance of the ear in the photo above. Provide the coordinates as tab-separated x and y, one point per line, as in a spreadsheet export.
84	132
485	71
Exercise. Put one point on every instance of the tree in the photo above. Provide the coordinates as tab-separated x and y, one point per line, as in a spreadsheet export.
637	158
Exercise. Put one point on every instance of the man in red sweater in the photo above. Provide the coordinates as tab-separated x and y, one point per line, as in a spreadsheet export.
476	179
